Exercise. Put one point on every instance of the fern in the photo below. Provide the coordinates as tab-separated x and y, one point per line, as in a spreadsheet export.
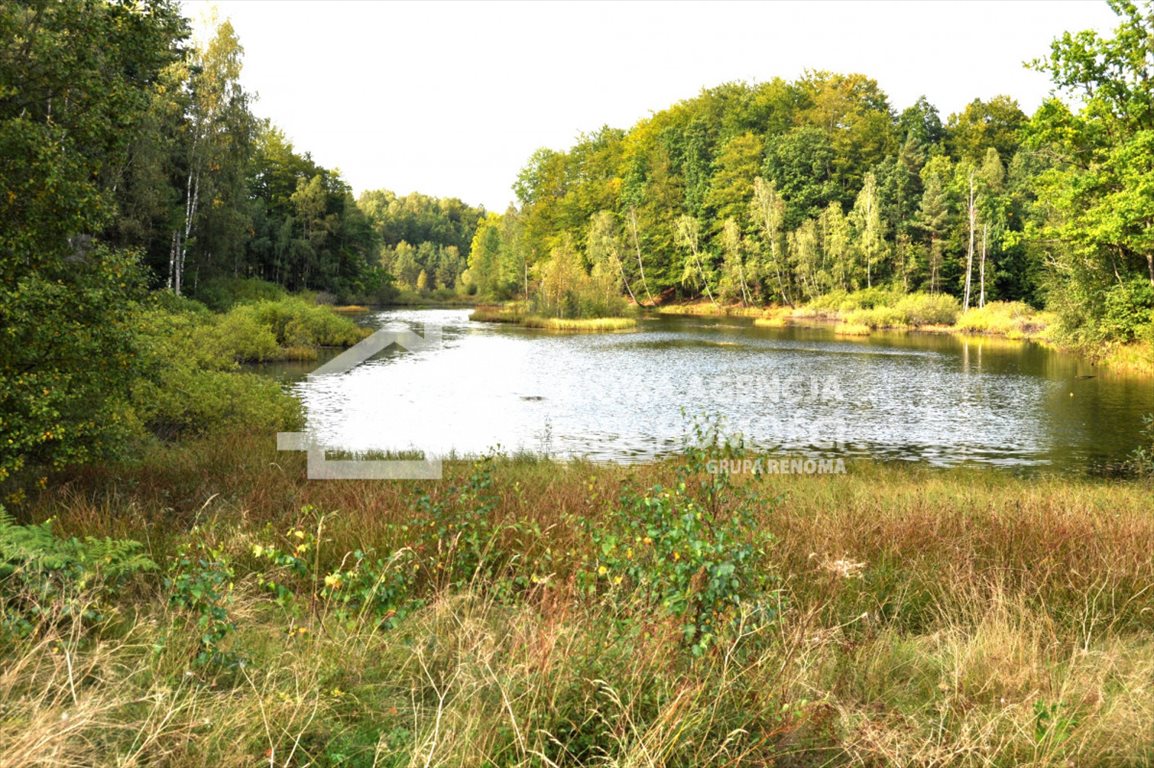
41	573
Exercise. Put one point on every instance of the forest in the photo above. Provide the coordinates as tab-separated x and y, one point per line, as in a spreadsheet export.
786	192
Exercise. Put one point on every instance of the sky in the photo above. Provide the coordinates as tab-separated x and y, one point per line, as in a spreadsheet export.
451	98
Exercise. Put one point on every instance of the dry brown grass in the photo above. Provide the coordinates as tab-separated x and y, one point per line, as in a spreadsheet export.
927	618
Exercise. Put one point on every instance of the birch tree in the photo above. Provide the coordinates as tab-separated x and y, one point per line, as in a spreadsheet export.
769	213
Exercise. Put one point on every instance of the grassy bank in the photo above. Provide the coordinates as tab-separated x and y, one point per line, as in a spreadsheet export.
437	298
863	312
535	613
517	314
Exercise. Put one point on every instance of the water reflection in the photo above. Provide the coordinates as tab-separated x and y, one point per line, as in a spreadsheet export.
934	398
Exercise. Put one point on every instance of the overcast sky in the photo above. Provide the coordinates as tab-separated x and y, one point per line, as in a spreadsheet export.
450	98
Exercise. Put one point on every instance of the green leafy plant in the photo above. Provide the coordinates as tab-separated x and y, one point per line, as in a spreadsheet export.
683	552
371	587
458	535
1052	728
200	584
44	576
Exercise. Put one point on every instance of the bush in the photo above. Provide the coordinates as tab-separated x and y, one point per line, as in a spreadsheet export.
868	298
184	401
684	555
240	336
1129	313
223	293
189	383
1012	319
297	323
928	309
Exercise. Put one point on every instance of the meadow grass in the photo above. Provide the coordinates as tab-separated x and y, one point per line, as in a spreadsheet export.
919	617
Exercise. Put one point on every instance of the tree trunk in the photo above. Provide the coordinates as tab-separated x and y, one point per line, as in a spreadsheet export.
637	246
982	267
777	272
624	278
970	252
701	271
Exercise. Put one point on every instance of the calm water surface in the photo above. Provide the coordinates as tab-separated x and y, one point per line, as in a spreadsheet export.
621	397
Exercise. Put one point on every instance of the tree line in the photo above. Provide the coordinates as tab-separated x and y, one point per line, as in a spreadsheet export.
782	192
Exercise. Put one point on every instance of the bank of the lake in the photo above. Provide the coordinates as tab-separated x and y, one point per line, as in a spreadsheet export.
1010	320
515	313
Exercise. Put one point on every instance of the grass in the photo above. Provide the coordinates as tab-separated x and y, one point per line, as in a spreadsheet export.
920	617
852	329
856	313
581	324
1136	357
712	309
1012	319
516	313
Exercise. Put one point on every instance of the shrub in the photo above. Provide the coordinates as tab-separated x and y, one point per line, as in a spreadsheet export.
868	298
295	322
183	400
200	584
241	337
928	309
682	554
1013	319
1129	312
223	293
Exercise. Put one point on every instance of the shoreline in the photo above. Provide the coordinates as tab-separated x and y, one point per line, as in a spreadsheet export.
1135	358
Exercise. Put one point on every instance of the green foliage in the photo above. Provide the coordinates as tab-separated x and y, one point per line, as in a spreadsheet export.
1094	198
568	291
68	350
295	322
881	309
368	586
1012	319
682	554
44	577
1052	725
223	293
189	383
199	583
459	536
1129	311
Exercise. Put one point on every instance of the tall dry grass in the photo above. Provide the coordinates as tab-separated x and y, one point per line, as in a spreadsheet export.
925	618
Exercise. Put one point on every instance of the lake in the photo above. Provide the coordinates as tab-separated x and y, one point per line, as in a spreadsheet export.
940	399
